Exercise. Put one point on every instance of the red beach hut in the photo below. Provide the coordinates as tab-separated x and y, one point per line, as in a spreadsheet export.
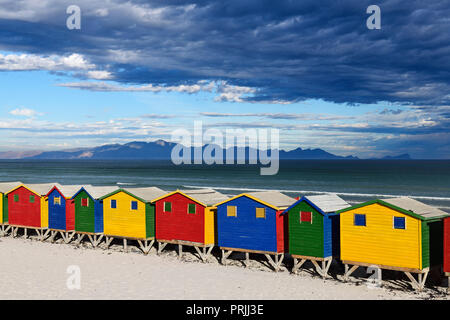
187	218
28	208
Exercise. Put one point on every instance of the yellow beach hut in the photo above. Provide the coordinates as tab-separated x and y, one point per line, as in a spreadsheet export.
128	214
400	234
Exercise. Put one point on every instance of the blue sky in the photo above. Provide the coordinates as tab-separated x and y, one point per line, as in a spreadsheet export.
138	70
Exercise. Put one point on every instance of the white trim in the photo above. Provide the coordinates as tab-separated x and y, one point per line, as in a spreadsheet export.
393	223
195	208
164	207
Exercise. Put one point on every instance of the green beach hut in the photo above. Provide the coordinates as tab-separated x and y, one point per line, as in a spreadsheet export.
313	230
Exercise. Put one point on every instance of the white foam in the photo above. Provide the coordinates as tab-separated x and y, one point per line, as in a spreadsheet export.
325	192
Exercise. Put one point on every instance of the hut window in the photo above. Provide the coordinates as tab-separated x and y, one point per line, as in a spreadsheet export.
134	205
260	213
305	216
57	200
113	204
191	208
360	220
31	199
16	198
231	211
167	206
399	223
85	202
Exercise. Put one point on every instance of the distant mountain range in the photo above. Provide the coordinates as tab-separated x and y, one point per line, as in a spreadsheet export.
161	150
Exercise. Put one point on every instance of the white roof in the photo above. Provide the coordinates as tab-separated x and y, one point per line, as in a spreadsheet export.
328	202
206	196
416	207
97	192
41	188
8	186
274	198
68	191
147	194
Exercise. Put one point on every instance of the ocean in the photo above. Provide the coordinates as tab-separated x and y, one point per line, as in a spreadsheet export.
354	180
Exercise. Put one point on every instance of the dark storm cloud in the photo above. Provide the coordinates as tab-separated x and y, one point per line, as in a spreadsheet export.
288	50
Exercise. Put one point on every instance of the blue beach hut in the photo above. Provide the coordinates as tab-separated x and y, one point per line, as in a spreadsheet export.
252	223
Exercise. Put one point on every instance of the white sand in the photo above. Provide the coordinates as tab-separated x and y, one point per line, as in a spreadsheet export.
36	270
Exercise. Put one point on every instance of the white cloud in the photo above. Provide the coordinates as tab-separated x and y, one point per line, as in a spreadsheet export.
225	92
99	75
24	112
29	62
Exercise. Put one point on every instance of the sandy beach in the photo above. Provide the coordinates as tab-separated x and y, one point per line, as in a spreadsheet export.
37	270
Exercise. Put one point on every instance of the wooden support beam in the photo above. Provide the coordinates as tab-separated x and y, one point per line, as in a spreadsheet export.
200	253
180	251
247	259
225	255
45	234
277	263
80	238
145	245
161	246
448	284
348	272
419	284
108	241
125	245
297	265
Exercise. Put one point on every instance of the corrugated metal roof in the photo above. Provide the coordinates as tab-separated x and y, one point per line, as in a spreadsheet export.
97	192
328	202
147	194
206	196
41	188
8	186
274	198
416	207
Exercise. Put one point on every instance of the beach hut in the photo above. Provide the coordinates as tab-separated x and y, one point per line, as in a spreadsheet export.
28	208
253	223
400	234
313	231
89	212
61	211
447	250
187	218
5	187
128	214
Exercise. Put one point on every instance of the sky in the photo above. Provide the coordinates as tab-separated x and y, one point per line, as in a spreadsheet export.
138	70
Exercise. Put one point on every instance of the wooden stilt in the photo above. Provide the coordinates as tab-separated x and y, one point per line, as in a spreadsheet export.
297	265
348	272
225	255
45	234
419	284
125	245
161	246
448	284
247	259
146	245
180	251
80	238
277	263
108	241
